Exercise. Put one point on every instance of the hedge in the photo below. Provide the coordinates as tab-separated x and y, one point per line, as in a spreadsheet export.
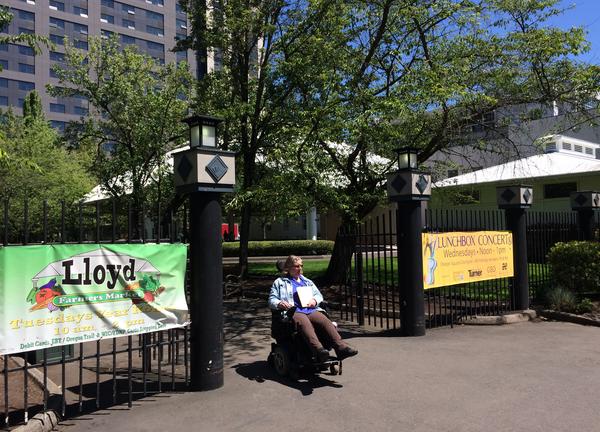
280	248
575	266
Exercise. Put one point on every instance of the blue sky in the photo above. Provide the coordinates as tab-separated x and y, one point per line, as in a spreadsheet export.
586	14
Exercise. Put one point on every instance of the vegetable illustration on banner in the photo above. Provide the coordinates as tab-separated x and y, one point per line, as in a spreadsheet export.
87	292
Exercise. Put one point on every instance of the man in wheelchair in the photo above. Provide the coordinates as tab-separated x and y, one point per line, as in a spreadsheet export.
295	302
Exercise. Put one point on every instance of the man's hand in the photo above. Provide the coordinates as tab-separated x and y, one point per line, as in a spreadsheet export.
284	305
312	303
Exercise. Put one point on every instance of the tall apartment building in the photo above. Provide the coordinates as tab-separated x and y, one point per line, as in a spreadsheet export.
152	25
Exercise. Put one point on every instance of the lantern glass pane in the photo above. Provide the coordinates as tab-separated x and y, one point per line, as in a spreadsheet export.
403	161
413	160
195	136
209	138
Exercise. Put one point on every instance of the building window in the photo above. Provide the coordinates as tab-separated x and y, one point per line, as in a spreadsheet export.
59	125
4	64
154	16
80	110
57	108
105	18
159	3
57	39
52	73
181	23
26	50
181	56
80	28
26	86
129	24
3	82
20	102
26	16
178	8
108	3
26	30
57	23
83	45
155	31
26	68
105	34
127	8
4	47
3	100
559	190
80	11
56	56
127	39
155	46
57	5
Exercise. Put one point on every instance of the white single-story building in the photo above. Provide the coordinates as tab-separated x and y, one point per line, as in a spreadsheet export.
568	165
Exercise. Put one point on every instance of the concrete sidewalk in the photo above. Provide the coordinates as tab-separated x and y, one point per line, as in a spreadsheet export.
536	376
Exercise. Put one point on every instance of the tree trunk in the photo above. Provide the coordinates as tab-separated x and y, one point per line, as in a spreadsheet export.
341	257
244	234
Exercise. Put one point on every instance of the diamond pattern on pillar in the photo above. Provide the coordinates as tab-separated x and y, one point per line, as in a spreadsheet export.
507	195
581	199
527	196
398	183
216	168
184	168
422	183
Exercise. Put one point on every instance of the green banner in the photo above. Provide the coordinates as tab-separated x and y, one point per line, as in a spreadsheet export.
52	295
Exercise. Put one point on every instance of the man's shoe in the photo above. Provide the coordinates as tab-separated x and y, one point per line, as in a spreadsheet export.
322	355
346	352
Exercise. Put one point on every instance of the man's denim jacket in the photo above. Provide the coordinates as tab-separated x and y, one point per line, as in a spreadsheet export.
282	290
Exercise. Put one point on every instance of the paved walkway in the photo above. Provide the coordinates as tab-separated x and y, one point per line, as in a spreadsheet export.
536	376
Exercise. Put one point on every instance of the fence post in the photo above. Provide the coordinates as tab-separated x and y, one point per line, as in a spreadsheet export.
204	172
409	188
515	199
360	288
585	203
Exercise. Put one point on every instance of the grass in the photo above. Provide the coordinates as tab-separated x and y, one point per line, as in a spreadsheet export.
312	269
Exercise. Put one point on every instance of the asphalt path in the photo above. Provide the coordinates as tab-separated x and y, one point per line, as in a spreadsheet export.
534	376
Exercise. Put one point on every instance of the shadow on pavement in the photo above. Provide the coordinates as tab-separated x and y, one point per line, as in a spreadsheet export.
260	371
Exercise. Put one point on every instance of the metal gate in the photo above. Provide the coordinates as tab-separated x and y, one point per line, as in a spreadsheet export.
90	375
370	295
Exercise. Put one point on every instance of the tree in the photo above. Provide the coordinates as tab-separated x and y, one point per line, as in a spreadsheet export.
335	83
136	110
45	171
32	108
35	42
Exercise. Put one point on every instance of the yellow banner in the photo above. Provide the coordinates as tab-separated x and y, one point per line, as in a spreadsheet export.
453	258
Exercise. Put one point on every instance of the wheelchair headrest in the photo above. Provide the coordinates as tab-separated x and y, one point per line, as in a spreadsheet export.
280	265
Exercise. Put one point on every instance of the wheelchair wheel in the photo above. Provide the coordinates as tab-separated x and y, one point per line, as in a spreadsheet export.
281	361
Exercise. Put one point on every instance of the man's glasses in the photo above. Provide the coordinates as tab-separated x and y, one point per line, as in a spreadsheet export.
298	265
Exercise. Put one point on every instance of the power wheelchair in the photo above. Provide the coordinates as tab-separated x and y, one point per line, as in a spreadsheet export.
290	355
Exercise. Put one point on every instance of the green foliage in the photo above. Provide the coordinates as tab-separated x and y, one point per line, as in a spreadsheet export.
39	169
280	248
584	306
32	108
139	106
561	299
576	265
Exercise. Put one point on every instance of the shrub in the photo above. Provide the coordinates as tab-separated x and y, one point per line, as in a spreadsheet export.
280	248
561	300
576	265
584	306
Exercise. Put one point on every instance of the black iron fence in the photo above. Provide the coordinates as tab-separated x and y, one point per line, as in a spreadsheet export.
370	295
89	375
